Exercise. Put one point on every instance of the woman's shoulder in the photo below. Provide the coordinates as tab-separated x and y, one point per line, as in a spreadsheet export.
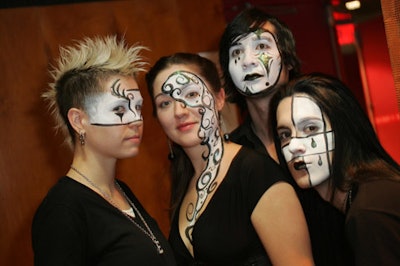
256	167
252	159
68	193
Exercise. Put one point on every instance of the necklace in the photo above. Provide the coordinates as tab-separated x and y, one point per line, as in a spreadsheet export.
147	232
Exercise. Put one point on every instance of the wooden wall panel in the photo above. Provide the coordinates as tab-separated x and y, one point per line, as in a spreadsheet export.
32	155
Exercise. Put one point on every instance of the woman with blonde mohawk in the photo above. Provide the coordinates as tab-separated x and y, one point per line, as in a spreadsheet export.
89	217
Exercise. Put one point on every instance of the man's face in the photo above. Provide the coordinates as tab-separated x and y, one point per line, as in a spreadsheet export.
255	62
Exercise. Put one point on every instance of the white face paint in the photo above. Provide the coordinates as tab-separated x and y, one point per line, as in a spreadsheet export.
183	90
306	140
191	91
120	106
255	62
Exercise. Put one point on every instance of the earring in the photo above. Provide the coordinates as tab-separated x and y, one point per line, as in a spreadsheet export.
171	154
223	128
82	137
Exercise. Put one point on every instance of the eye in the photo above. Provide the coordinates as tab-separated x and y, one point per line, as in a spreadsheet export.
139	107
192	94
284	135
163	104
311	129
235	52
262	46
119	110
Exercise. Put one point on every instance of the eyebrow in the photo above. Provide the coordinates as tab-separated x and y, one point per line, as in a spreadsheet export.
162	94
281	127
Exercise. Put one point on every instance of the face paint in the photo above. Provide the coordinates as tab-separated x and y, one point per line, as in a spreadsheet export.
119	106
255	62
190	90
307	142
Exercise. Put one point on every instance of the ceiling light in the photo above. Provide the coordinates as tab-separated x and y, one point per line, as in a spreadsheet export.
352	5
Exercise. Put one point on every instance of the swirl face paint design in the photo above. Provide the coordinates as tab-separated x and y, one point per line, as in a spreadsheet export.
120	106
306	140
255	62
192	92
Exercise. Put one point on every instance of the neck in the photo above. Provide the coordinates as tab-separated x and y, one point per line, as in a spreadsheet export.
100	172
259	112
339	200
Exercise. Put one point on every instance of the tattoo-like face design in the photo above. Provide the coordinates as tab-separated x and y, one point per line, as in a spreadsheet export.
255	62
121	105
189	89
307	140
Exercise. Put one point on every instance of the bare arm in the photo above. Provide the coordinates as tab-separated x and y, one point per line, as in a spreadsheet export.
279	221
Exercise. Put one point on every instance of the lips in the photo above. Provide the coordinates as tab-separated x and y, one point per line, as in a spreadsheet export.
185	126
300	165
136	137
251	77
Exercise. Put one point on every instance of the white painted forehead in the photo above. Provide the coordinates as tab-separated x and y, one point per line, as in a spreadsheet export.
304	106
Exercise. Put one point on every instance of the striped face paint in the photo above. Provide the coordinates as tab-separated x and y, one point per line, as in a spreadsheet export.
307	140
121	104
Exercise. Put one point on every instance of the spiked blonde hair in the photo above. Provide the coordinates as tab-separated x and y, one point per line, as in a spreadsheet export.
81	68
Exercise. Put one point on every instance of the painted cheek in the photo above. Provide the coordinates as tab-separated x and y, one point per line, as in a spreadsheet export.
236	73
320	143
320	171
286	153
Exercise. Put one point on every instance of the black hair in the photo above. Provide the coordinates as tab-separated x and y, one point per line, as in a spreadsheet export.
246	22
358	155
181	169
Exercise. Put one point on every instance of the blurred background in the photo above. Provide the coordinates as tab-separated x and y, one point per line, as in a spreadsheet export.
360	46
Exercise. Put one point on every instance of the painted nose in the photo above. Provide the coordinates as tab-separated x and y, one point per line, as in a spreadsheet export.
249	59
296	146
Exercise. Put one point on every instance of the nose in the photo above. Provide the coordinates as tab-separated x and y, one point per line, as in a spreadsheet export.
180	109
296	146
136	124
249	59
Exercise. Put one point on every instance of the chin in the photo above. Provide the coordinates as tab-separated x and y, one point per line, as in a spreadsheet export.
302	182
131	154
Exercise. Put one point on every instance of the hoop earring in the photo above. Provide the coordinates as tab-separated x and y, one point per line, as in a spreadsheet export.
171	154
82	138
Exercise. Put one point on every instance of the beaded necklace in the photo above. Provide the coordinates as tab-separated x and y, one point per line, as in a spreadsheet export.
147	232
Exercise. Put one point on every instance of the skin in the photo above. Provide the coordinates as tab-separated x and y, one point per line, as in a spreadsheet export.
258	106
110	141
307	142
287	243
255	62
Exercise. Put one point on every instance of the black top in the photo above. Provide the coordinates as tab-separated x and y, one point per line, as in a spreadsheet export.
224	234
373	223
325	222
76	226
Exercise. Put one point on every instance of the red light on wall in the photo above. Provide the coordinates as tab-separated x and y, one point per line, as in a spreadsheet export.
339	16
335	2
345	33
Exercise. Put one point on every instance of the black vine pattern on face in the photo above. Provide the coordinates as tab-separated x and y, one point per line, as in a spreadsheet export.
129	95
176	86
